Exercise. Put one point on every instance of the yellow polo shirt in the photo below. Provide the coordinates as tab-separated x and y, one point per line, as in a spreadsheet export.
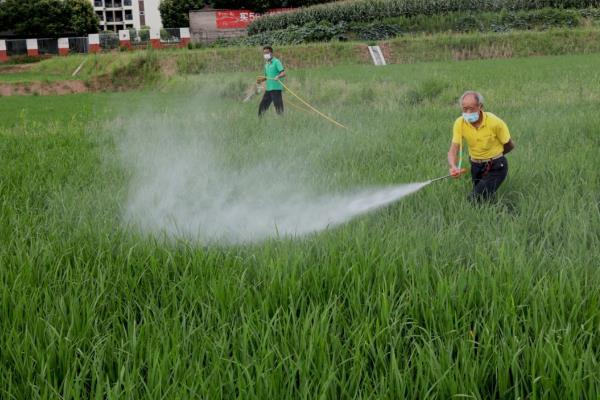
484	142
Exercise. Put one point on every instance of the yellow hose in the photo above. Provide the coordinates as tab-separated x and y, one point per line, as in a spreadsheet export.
307	104
296	106
311	108
460	150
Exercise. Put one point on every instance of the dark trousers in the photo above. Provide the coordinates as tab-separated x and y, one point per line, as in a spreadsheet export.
271	96
487	178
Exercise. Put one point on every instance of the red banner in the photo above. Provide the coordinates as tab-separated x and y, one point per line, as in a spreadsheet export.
239	19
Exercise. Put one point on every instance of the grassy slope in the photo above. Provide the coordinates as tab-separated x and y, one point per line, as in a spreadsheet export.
408	49
429	297
62	68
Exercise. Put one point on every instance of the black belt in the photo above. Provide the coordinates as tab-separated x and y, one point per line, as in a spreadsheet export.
487	160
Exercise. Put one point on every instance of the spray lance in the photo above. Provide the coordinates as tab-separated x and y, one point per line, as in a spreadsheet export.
461	170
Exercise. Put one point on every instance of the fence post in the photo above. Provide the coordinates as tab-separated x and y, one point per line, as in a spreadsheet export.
63	46
125	39
94	43
3	53
155	38
32	48
184	37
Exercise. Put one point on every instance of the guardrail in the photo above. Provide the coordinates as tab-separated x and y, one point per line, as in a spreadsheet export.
105	41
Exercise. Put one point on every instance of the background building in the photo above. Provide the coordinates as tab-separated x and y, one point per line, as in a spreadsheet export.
210	24
115	15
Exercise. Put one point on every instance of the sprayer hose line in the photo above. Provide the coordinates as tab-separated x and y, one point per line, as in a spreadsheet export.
314	109
311	108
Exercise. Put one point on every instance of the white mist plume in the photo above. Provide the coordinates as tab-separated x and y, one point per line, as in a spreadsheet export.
183	184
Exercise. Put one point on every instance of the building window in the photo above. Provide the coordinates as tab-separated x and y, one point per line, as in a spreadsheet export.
128	15
127	3
98	3
100	15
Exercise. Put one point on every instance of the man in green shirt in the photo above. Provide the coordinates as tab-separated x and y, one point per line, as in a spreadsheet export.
273	73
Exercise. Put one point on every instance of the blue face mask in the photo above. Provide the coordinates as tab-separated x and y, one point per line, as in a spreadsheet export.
471	117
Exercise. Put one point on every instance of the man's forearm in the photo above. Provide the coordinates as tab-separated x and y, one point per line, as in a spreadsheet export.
452	155
452	158
508	147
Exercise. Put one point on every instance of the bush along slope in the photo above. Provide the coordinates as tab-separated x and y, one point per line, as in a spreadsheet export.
370	10
459	22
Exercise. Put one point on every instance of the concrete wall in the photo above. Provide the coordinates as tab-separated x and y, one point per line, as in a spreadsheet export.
153	19
203	27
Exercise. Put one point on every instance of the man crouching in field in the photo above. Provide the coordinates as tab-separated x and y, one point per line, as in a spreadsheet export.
489	141
273	73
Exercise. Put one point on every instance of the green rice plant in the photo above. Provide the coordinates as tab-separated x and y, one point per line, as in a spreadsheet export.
429	297
427	90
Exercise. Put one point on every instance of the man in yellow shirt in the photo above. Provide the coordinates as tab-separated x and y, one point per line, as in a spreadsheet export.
488	139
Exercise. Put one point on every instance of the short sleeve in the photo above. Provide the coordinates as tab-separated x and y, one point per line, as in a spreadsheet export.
502	132
278	65
457	132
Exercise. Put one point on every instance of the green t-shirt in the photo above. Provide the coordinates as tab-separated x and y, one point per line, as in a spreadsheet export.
272	69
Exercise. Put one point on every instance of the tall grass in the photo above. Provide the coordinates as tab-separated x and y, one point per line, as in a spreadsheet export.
134	69
409	49
428	298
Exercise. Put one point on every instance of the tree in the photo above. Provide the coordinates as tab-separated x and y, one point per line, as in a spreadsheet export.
83	18
175	13
48	18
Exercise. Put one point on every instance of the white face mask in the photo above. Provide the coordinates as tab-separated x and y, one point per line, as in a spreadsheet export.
267	56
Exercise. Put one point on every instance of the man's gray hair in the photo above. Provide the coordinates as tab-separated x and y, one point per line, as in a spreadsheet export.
477	95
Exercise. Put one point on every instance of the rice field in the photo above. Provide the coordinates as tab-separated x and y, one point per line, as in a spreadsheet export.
430	297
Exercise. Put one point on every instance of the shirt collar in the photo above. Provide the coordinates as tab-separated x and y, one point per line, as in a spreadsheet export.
483	119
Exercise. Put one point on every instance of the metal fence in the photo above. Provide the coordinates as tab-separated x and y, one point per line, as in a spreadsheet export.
109	40
139	37
212	36
78	44
170	35
47	46
16	47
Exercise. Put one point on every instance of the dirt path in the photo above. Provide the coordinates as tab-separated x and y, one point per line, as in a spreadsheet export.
43	88
16	68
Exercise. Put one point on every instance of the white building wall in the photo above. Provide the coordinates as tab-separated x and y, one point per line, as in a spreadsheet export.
136	14
153	15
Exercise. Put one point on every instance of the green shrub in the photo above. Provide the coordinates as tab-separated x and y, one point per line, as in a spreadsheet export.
592	13
473	22
468	23
25	59
376	31
311	32
462	22
144	35
370	10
